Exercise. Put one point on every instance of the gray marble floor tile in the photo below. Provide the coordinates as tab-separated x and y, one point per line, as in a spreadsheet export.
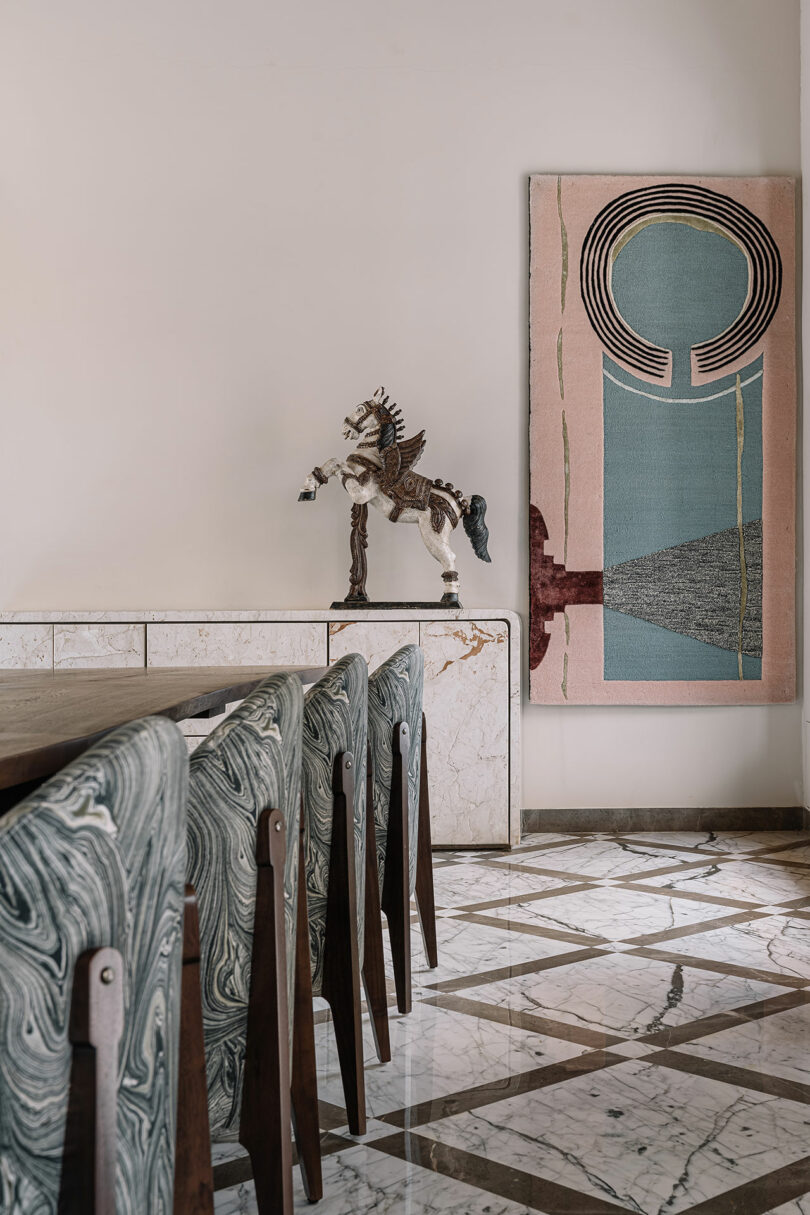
469	949
435	1051
648	1138
721	841
801	854
611	912
741	880
603	858
776	943
361	1180
464	884
624	994
773	1046
221	1153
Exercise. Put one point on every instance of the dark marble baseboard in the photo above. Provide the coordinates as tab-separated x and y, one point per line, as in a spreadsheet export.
731	818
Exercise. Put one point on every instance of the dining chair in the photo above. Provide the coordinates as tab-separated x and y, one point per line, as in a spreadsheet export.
244	849
397	734
344	916
91	907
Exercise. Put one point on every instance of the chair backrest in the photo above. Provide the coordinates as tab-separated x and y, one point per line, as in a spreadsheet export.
95	857
335	714
395	694
250	762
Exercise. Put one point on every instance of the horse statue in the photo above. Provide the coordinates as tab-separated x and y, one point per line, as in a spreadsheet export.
380	472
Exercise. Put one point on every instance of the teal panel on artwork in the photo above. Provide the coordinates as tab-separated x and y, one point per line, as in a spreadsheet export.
677	286
637	650
670	465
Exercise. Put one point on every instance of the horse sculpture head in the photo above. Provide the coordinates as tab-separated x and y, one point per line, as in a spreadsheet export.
379	423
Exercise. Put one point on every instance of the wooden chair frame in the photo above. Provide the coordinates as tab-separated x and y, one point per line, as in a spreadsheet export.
87	1185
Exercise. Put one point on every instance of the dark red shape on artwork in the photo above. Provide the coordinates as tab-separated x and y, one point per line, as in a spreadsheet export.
553	587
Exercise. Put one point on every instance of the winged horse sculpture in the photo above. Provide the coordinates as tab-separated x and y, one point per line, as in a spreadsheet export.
380	472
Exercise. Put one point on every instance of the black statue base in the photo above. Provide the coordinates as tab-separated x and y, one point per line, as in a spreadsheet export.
362	605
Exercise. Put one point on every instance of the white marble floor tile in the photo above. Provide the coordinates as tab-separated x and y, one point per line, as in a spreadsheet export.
800	854
435	1051
648	1138
221	1153
469	949
721	841
603	858
360	1180
777	943
463	884
741	880
624	994
778	1045
611	913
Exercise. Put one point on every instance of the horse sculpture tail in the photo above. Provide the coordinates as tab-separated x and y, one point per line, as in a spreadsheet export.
476	528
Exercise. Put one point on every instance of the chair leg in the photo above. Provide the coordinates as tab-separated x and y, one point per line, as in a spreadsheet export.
341	962
396	881
193	1175
373	957
304	1075
96	1023
265	1116
425	901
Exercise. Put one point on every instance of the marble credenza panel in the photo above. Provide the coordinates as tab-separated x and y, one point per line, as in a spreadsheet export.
461	706
376	640
98	645
223	644
26	646
467	711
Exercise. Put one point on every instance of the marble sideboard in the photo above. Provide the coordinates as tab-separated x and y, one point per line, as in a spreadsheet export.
472	682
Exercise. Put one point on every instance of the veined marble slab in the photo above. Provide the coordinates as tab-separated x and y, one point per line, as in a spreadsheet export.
376	640
98	645
362	1181
467	710
473	669
645	1138
234	644
26	646
434	1052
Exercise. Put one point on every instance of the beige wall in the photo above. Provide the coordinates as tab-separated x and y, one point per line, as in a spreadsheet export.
223	224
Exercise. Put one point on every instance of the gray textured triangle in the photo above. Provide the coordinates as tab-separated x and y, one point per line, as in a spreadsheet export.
694	588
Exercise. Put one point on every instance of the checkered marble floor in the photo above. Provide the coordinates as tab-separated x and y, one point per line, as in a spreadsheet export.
617	1023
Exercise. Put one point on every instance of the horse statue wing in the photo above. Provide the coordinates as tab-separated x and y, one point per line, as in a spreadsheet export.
410	451
398	458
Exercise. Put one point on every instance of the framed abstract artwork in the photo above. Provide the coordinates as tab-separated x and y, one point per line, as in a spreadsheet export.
663	440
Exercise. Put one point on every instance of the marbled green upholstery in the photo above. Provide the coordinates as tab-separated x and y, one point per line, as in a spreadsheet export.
335	712
250	762
395	694
95	857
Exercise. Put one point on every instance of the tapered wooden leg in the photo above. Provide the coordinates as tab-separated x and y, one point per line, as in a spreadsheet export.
265	1117
396	884
304	1075
96	1024
341	962
193	1175
373	958
425	901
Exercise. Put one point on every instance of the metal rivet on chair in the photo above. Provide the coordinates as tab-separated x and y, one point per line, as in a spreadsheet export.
108	975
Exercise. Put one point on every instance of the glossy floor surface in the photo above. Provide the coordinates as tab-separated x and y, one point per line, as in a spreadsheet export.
617	1023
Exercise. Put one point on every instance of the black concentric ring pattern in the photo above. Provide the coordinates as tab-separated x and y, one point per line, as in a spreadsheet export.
682	198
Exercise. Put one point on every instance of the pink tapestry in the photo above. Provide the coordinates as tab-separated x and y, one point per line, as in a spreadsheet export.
663	434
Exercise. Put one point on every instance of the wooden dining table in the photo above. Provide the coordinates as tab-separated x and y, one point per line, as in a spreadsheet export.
47	718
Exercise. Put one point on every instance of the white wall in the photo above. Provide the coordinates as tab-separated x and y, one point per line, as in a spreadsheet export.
223	224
